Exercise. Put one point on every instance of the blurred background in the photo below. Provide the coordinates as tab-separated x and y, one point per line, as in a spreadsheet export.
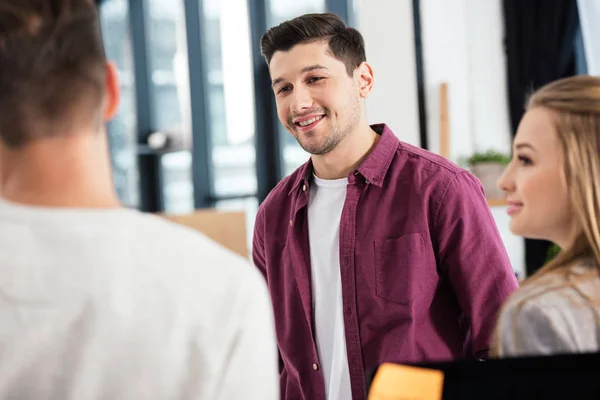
197	127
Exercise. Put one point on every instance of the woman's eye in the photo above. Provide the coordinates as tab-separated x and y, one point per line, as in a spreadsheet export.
524	160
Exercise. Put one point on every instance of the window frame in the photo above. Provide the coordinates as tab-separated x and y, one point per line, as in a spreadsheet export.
269	157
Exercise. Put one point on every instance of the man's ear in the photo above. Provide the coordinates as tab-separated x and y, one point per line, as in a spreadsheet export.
366	79
112	92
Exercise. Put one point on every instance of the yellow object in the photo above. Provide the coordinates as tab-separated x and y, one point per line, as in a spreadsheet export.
400	382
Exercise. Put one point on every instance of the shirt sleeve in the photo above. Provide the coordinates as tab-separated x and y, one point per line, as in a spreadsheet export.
473	257
250	370
530	330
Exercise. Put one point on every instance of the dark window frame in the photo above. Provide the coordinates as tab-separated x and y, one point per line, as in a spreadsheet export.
269	158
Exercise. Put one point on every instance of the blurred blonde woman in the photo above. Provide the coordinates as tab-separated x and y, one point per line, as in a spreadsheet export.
553	190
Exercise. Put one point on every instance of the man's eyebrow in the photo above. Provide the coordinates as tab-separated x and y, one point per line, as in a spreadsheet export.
304	70
313	67
276	81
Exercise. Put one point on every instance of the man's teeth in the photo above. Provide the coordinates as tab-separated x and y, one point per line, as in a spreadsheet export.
309	121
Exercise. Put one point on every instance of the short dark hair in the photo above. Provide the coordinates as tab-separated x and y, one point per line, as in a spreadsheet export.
52	64
345	43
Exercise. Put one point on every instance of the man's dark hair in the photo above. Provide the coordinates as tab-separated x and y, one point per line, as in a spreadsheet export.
346	44
52	67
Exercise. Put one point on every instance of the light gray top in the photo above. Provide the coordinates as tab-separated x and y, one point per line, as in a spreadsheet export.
544	318
116	304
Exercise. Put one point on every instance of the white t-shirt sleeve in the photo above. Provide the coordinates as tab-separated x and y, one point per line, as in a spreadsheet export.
251	364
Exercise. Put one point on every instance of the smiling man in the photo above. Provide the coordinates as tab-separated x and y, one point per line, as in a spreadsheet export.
374	250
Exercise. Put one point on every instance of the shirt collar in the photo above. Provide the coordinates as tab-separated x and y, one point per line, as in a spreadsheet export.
303	176
374	166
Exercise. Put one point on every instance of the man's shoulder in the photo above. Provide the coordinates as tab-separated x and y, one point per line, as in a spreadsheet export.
431	176
425	159
136	249
429	171
186	261
190	249
178	236
160	226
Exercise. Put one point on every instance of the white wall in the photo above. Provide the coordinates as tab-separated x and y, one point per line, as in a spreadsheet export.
387	27
446	59
488	87
463	46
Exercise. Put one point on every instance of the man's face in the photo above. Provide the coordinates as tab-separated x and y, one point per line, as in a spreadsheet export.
317	101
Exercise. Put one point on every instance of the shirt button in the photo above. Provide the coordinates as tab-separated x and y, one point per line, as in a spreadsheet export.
304	188
291	222
315	367
367	181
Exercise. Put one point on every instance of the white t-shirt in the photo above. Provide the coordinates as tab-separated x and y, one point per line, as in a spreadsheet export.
326	200
116	304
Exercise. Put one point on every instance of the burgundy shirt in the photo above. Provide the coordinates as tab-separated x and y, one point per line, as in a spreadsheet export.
424	271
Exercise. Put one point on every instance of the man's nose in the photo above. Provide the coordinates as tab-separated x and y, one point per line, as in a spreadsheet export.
302	99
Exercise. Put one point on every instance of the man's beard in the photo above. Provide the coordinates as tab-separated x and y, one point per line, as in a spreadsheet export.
331	141
335	136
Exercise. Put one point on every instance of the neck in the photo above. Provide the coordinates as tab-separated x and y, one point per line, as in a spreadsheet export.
70	171
347	155
566	236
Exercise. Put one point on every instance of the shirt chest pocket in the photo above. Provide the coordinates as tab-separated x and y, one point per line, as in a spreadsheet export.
401	267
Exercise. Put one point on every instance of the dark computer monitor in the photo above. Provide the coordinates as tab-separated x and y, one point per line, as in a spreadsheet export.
570	377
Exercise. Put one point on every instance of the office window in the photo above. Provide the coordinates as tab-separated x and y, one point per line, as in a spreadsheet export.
114	18
155	32
228	65
167	49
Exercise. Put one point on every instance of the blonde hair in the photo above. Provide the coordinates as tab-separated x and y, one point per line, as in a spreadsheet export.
576	103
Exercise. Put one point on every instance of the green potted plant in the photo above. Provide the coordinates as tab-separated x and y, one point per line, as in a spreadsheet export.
488	167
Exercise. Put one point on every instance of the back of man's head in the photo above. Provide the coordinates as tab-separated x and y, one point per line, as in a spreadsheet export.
345	43
52	69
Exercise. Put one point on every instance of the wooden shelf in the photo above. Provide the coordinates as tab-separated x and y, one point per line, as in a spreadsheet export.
497	202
